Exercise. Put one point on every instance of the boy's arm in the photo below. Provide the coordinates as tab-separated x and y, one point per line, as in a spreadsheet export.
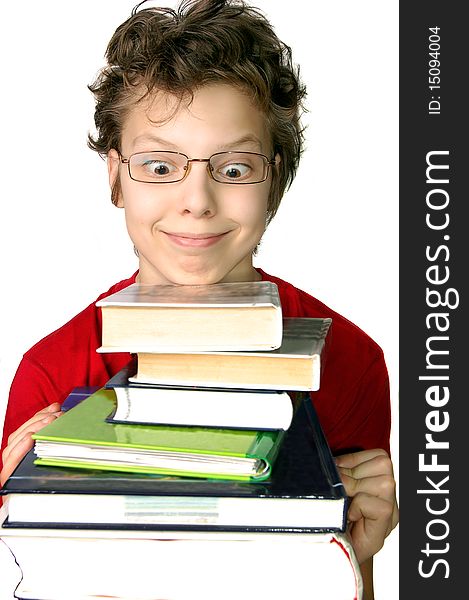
366	569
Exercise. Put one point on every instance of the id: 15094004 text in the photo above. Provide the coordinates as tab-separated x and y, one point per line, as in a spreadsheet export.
434	73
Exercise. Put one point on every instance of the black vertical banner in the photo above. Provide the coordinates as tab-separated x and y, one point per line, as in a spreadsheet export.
434	330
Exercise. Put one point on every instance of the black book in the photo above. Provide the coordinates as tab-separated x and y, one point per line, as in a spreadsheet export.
303	494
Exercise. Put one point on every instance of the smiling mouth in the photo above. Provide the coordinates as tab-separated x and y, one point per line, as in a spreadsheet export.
195	240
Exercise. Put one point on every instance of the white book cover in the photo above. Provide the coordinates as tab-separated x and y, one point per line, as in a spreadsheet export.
240	294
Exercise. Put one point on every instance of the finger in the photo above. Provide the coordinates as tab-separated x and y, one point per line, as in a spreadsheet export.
52	408
395	516
26	430
370	466
381	486
14	458
372	507
353	459
369	524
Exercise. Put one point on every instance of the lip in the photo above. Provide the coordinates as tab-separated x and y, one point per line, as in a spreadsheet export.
195	240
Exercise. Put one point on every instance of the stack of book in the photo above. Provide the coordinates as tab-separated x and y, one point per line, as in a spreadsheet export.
207	438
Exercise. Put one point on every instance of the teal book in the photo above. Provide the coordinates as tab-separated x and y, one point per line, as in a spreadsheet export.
82	438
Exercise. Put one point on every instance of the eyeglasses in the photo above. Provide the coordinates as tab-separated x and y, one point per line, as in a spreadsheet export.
164	166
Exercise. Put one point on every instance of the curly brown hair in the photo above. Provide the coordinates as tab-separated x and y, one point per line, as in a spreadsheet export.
202	42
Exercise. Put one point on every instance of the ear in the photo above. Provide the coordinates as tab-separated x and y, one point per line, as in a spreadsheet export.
113	162
278	159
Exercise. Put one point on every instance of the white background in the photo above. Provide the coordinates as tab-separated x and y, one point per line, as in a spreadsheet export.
62	242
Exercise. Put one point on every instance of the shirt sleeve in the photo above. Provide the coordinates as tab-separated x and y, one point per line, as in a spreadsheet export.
362	417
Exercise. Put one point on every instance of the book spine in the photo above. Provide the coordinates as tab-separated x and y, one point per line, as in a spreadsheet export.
324	452
266	448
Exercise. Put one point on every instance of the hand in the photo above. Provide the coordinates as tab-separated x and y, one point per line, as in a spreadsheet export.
20	442
373	513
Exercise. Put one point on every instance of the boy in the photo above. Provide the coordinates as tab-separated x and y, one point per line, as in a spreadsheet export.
198	116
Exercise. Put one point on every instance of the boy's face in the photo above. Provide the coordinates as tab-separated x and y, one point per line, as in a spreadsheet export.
197	230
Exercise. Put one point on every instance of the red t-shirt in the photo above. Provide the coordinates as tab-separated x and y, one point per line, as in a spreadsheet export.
352	404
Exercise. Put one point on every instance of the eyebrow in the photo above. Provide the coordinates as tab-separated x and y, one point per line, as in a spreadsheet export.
245	139
166	144
145	138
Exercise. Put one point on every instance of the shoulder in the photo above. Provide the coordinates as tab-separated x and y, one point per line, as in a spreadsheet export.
298	303
83	328
120	285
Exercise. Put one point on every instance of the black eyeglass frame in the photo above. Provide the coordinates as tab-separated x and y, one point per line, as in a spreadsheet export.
268	163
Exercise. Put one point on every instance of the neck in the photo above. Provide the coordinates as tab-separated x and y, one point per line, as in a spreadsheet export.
250	274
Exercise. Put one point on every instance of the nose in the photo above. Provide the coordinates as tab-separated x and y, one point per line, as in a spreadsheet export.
198	194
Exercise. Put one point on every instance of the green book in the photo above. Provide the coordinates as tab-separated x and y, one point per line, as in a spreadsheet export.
82	438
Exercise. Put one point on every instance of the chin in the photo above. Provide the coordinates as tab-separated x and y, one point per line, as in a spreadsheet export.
192	273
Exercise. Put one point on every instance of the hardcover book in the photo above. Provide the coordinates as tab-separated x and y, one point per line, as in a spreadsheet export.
221	316
303	494
82	438
147	564
199	407
296	365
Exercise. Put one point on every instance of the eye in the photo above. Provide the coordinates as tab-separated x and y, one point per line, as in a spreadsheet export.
235	170
158	168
